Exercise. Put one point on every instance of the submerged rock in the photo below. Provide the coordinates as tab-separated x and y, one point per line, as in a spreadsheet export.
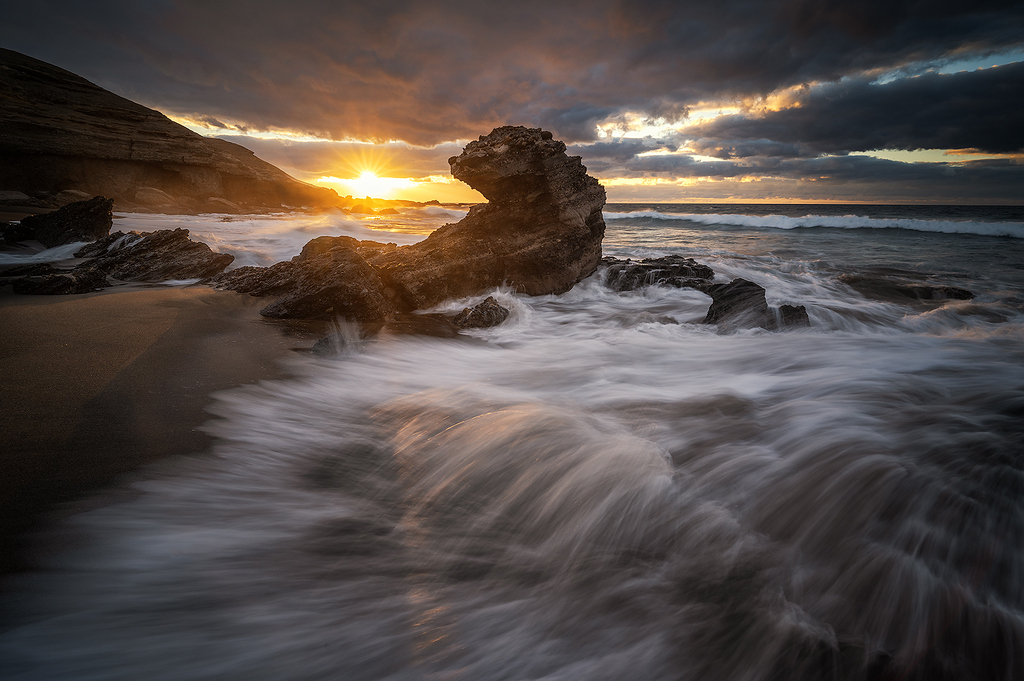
541	233
79	221
154	256
481	316
670	270
895	288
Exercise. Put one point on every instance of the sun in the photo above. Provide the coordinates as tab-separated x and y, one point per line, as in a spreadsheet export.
369	183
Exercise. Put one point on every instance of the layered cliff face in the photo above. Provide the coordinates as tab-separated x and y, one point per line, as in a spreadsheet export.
60	132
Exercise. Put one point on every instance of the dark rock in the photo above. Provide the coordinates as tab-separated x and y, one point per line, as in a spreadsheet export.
387	211
58	132
156	256
670	270
79	221
793	316
481	316
338	283
361	209
14	232
33	270
106	244
541	232
64	283
893	288
740	304
323	244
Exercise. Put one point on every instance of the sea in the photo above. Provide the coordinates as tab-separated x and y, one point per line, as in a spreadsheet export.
600	488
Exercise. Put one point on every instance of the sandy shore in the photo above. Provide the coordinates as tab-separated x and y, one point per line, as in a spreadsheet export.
95	385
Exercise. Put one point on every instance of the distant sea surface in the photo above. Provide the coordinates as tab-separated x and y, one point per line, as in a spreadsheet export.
600	488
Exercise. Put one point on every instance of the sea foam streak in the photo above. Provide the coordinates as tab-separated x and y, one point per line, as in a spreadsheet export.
1007	229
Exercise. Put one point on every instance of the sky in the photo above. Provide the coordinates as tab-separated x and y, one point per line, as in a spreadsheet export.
894	101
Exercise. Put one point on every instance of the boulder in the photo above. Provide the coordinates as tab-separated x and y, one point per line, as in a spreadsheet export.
741	304
79	221
670	270
540	232
67	196
481	316
154	256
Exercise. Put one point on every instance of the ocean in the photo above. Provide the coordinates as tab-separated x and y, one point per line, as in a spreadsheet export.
601	487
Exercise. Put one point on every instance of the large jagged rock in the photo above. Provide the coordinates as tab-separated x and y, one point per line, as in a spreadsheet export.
59	132
79	221
61	283
669	270
540	232
153	256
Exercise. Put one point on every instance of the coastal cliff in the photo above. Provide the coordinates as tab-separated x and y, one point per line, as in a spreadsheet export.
61	133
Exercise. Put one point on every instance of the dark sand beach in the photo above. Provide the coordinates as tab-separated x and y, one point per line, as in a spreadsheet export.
96	385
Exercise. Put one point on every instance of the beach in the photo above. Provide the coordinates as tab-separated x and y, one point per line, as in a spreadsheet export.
97	385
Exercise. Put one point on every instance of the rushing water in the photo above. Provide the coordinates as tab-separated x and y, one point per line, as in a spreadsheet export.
599	488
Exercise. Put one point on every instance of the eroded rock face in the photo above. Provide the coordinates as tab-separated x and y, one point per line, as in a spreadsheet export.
541	232
154	256
670	270
79	221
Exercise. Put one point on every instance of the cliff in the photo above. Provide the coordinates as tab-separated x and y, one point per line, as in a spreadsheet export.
59	132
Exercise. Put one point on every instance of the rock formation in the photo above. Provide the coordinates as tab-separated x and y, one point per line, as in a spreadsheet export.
79	221
59	132
902	287
541	233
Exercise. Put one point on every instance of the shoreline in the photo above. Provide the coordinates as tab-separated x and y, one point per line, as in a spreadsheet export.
99	384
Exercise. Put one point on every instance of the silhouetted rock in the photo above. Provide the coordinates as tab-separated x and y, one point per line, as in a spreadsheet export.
902	288
481	316
154	256
79	221
60	132
63	283
793	316
30	270
540	232
670	270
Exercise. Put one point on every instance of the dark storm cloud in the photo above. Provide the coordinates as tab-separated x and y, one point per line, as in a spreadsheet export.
979	110
429	72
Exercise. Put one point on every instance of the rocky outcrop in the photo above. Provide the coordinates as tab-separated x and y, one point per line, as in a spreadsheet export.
79	221
670	270
154	256
482	315
59	132
541	233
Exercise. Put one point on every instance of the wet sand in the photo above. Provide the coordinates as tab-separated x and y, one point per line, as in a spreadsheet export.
95	385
